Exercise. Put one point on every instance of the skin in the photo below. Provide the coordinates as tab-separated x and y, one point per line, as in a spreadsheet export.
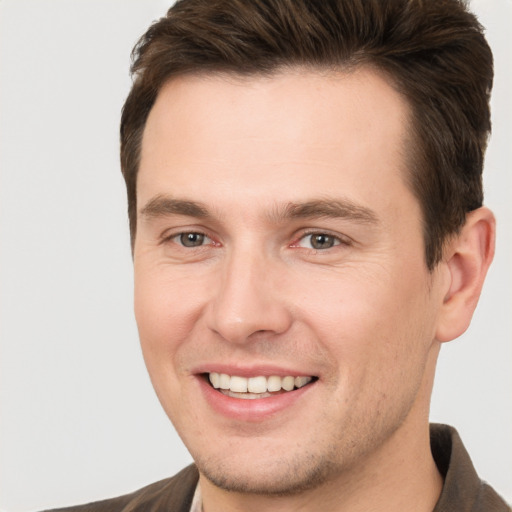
364	316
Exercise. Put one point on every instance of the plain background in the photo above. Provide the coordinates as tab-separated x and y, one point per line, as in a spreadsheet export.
79	419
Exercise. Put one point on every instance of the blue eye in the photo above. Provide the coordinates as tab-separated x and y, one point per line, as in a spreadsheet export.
319	241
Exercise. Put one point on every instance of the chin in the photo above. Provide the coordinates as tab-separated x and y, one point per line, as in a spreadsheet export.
273	478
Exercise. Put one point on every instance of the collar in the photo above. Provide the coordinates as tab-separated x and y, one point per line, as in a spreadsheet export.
462	489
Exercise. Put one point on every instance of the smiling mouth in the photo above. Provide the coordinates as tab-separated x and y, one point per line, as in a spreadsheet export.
261	386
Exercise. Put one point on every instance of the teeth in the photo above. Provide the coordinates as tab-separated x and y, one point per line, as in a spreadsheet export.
215	380
238	384
301	381
288	383
256	385
274	384
224	381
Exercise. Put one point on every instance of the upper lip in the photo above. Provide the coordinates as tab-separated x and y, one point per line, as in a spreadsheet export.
251	371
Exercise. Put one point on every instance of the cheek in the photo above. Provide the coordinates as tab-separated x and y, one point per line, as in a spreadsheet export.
370	323
166	309
167	316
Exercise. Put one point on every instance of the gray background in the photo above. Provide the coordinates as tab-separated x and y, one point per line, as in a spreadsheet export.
79	419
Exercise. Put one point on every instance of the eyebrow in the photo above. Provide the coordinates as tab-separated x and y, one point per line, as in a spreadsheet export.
162	206
327	208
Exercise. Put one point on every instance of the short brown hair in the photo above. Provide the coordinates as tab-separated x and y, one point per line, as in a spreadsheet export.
433	51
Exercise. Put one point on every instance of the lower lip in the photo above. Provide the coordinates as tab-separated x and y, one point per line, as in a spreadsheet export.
250	410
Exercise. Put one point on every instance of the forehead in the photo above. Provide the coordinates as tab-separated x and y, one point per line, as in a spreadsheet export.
287	133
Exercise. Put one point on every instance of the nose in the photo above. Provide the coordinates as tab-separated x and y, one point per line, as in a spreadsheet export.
248	300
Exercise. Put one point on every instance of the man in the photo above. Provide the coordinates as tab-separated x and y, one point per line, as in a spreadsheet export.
305	202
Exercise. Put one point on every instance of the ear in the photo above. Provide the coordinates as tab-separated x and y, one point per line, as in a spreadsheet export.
466	259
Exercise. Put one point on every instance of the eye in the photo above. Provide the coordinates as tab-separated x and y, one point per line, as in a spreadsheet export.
319	241
191	239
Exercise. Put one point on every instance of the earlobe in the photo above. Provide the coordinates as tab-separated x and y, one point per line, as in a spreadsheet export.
467	259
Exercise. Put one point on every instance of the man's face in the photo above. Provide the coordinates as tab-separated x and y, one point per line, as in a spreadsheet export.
277	238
